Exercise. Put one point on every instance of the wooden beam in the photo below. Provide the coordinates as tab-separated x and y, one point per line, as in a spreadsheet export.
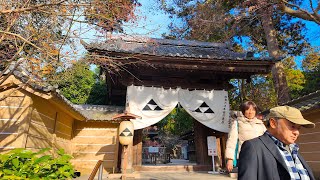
219	65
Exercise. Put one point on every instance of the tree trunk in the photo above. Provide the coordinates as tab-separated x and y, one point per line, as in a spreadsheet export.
279	77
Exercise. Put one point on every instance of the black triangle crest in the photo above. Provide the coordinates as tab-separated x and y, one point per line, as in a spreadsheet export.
204	104
147	108
122	134
152	102
126	130
209	111
198	110
158	108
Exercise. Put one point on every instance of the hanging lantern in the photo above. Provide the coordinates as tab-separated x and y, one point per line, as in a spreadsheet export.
126	132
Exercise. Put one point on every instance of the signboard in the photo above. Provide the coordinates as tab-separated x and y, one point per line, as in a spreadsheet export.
212	145
212	151
153	149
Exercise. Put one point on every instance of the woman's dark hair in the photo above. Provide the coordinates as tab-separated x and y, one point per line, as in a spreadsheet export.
246	105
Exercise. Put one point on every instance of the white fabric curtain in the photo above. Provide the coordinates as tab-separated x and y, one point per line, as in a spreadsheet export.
211	108
150	103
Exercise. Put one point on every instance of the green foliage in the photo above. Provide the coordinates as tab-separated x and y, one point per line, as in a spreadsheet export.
296	81
312	81
311	66
177	122
25	164
260	90
305	80
80	85
295	77
98	94
76	82
311	62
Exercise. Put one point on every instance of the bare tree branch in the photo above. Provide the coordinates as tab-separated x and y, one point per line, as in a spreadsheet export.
32	8
15	66
285	7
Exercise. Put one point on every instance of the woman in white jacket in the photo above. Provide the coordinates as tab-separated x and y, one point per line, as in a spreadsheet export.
245	127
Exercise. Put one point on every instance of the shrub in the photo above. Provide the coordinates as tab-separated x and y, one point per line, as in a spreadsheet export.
25	164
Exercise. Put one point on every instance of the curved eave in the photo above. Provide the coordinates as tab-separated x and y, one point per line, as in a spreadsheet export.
254	65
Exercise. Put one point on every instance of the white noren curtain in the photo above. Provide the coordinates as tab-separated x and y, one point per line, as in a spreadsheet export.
211	108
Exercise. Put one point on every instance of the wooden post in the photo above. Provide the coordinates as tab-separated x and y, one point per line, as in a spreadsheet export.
224	138
137	148
200	138
125	159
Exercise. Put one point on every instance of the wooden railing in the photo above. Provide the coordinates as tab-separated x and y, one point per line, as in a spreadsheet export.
97	167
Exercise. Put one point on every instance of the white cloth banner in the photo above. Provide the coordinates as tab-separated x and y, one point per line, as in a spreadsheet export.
152	104
211	108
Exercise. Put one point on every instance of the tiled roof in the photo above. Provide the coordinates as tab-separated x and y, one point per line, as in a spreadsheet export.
19	70
99	112
169	48
307	102
22	73
89	112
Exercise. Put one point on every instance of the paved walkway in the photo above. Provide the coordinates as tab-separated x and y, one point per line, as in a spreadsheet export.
173	173
150	175
181	176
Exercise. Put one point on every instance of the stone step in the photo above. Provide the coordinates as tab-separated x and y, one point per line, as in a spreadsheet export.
187	168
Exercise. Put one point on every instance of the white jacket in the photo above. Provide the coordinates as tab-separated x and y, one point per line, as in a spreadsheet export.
248	129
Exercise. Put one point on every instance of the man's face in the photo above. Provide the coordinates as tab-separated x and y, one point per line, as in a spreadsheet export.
285	131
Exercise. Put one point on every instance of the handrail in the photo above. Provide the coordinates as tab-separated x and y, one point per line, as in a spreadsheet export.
97	167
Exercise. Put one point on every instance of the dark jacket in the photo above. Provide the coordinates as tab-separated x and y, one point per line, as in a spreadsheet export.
261	160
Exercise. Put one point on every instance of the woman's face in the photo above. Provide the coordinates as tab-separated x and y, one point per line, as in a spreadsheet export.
250	113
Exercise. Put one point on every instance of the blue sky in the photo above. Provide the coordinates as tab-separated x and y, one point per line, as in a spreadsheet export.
153	22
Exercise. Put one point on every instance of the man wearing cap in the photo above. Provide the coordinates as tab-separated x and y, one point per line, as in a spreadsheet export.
274	155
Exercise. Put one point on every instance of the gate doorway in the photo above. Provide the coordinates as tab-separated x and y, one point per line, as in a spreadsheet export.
162	142
173	148
165	63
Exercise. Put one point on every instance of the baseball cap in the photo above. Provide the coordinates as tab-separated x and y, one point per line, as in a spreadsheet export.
291	114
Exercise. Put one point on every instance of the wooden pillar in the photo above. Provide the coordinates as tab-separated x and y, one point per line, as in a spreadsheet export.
200	137
218	159
223	145
128	161
137	148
